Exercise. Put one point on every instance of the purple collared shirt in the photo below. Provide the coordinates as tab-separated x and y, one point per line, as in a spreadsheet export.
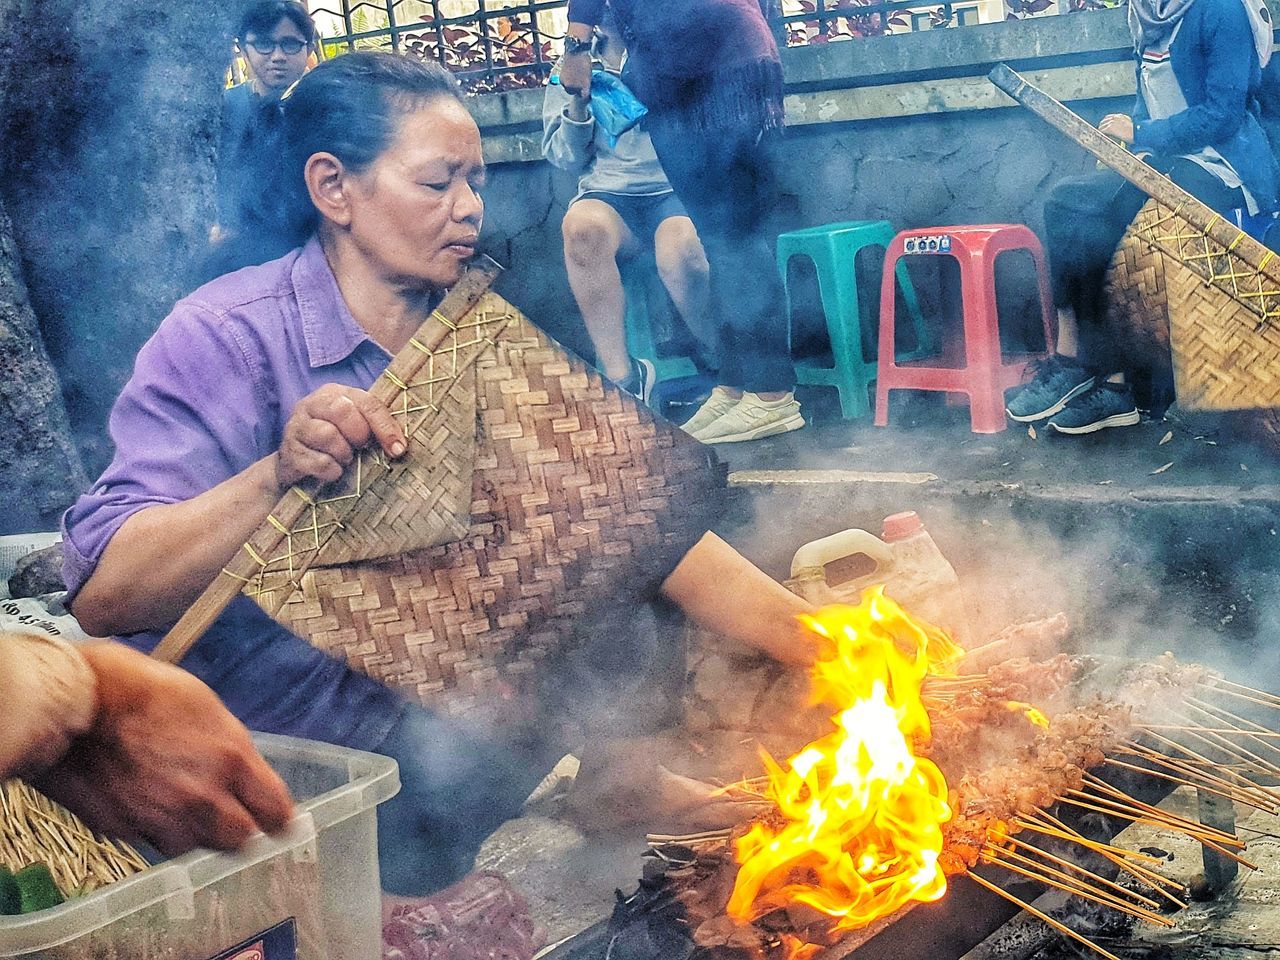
210	394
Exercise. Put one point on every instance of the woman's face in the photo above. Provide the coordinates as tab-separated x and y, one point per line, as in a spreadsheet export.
416	211
278	59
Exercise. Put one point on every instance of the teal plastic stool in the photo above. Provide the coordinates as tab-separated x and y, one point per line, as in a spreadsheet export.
833	248
642	344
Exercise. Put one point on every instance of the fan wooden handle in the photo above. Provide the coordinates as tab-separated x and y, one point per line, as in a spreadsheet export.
1142	175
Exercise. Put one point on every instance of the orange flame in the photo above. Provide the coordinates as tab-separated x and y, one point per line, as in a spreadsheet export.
1027	710
859	825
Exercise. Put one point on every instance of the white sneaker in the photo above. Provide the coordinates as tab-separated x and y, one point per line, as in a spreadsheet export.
713	408
752	418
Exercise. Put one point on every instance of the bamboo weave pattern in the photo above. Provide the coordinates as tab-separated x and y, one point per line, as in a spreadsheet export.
577	497
1216	314
383	507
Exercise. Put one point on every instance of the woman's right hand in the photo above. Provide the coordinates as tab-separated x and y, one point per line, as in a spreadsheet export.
328	427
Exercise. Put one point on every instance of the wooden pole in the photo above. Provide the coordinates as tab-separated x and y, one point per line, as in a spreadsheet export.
1143	176
268	539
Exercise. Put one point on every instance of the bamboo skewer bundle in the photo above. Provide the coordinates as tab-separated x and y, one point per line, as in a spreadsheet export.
37	830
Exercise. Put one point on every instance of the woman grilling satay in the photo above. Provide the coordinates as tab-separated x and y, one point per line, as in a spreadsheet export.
259	379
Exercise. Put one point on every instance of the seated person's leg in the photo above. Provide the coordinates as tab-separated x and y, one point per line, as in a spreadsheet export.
594	237
1085	219
682	265
1205	187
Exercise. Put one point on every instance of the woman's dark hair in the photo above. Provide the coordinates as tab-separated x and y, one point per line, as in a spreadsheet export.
261	18
350	107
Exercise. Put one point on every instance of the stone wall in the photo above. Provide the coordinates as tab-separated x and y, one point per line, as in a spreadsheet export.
903	128
110	132
40	468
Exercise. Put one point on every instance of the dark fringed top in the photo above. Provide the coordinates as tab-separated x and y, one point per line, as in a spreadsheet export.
704	64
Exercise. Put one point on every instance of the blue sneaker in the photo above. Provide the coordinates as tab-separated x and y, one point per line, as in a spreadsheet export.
640	383
1106	405
1058	380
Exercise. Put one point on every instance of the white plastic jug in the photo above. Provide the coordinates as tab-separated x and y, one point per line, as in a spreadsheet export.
907	562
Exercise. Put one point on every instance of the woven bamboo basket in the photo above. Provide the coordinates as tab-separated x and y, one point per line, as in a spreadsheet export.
1152	293
534	496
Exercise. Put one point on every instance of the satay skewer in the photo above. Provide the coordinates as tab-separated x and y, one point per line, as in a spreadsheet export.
1233	717
1095	878
1199	837
1248	794
690	838
1041	915
1122	798
1191	828
1176	728
1137	816
1271	697
1181	781
1260	735
1126	857
1245	790
1056	878
1120	857
1239	751
1043	822
1241	696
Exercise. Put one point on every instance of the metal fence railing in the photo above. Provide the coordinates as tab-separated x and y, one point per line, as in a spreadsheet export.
507	44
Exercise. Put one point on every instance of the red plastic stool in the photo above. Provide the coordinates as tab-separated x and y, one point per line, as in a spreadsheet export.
987	374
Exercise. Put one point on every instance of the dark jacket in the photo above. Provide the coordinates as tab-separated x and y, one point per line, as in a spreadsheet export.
707	64
249	152
1214	61
1269	104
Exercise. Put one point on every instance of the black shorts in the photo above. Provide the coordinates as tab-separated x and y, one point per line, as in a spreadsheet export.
642	214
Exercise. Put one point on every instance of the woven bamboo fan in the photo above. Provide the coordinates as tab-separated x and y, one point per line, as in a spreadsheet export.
1218	288
1141	313
532	494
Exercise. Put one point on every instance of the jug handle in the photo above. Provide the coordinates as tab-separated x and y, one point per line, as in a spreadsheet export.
811	560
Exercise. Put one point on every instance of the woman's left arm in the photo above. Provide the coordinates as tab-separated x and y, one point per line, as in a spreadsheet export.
1228	51
721	590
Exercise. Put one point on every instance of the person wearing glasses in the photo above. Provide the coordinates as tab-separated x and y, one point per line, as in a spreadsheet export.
277	39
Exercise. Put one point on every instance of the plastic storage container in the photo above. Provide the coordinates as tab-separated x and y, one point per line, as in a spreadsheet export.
906	561
313	893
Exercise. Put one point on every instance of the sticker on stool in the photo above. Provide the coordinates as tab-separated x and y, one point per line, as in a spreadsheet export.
934	243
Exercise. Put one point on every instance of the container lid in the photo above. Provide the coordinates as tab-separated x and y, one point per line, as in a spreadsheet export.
900	526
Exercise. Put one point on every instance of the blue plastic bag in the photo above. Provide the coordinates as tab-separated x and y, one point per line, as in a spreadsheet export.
613	104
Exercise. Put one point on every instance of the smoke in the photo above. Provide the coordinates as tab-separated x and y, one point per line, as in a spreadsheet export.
1135	575
110	122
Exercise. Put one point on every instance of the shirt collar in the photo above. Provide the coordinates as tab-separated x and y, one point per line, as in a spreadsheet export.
330	331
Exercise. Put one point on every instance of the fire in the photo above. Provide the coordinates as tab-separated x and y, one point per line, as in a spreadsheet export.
1027	710
858	827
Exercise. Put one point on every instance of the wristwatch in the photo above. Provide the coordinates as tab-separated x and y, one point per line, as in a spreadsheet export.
574	45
